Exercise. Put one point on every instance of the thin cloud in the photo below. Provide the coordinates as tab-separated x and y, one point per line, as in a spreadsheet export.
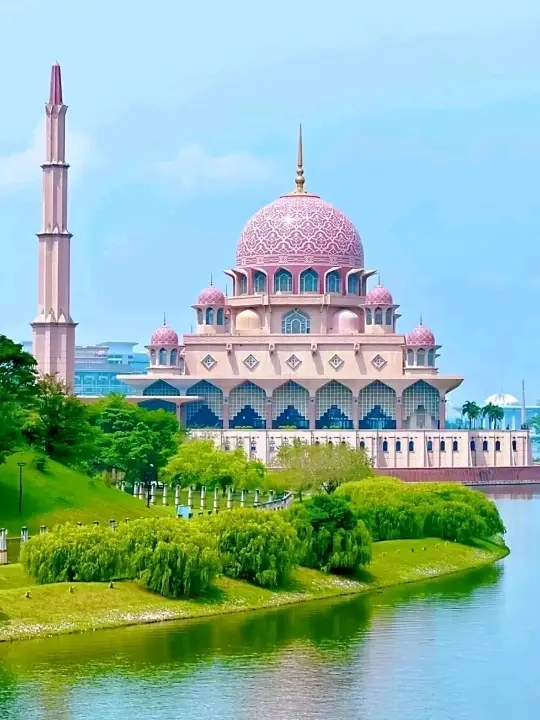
194	169
23	168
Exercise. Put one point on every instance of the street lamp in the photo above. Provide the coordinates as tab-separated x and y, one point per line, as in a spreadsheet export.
21	465
149	476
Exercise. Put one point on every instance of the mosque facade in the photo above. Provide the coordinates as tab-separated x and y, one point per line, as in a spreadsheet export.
307	345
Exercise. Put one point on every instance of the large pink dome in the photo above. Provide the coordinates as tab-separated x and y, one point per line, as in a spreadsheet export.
379	296
421	336
211	296
164	336
301	230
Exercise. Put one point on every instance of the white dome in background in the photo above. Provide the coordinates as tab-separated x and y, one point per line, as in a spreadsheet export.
502	399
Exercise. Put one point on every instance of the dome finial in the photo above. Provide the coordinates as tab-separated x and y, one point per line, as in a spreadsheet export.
164	319
379	280
211	280
421	323
300	179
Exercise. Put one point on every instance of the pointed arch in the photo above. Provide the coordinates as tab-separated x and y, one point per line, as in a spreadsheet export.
157	404
162	356
295	322
207	412
377	407
282	281
160	387
209	316
174	357
333	282
421	406
259	282
247	406
421	356
220	317
378	316
309	281
353	284
334	404
431	358
200	317
290	406
369	316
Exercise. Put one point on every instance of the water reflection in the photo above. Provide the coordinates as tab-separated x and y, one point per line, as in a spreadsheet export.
420	652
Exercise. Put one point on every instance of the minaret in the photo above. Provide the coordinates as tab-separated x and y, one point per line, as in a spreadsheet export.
54	330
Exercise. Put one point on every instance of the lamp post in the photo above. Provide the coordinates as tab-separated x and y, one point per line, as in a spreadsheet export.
21	465
149	483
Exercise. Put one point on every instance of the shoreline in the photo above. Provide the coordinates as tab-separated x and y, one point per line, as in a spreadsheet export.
55	610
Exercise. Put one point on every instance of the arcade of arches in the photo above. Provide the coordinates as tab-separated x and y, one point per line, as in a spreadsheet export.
334	407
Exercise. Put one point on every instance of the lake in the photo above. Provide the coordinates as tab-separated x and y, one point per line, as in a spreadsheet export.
463	647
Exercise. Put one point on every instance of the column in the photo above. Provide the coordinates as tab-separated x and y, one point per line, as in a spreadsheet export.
268	412
312	413
355	412
225	412
399	412
442	412
164	499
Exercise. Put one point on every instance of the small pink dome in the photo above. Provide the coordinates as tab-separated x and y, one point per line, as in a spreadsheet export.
379	296
211	296
301	230
164	336
345	322
421	336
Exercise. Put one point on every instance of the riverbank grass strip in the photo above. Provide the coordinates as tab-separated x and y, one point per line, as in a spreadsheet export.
28	610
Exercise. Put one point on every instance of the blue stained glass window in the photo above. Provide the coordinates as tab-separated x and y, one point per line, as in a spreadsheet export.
295	322
353	284
378	316
220	316
290	406
162	357
377	407
160	387
420	357
309	281
174	357
158	405
421	406
431	358
247	406
389	316
207	412
209	316
369	317
333	282
243	284
200	317
334	407
260	282
283	281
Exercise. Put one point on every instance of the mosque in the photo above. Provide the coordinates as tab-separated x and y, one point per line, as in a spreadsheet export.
306	346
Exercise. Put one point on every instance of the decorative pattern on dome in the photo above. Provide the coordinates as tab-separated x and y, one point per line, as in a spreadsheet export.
208	362
378	362
421	336
293	362
211	296
336	362
164	336
379	296
301	229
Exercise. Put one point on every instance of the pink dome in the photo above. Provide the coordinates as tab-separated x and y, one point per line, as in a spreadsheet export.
164	336
379	296
211	296
302	230
421	336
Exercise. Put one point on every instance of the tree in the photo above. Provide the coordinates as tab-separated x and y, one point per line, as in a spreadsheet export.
57	424
471	411
322	467
200	462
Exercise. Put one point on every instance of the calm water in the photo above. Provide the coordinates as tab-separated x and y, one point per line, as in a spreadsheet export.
454	649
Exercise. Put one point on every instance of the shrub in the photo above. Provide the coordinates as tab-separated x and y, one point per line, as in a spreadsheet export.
255	545
71	553
392	509
169	556
331	537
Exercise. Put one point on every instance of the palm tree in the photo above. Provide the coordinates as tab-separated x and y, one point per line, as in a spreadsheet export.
487	411
497	414
472	411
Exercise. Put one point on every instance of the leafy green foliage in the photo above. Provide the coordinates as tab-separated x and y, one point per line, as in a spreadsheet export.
392	510
71	553
17	391
331	537
255	545
322	467
199	462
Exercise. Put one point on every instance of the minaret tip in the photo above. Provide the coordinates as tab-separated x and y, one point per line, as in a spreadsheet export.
421	323
300	179
164	319
55	94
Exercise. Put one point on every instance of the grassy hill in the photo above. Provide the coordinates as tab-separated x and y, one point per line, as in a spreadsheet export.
61	495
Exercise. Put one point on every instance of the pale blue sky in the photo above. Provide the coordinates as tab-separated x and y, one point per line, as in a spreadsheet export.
421	122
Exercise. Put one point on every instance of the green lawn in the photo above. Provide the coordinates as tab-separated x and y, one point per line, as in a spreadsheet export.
53	609
61	495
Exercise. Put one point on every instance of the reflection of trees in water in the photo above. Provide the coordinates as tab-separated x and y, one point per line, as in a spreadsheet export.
9	688
326	629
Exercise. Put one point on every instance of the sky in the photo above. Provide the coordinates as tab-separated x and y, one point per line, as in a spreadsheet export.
421	122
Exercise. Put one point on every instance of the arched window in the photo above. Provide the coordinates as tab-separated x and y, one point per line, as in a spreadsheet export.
174	357
209	316
219	316
377	407
410	357
290	406
378	316
362	445
442	446
295	322
162	356
420	357
333	282
389	316
208	411
485	445
398	445
160	388
497	446
353	285
454	446
431	358
411	445
430	445
309	281
369	317
283	281
259	282
473	446
514	445
385	446
333	404
152	357
243	284
200	317
247	406
421	406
